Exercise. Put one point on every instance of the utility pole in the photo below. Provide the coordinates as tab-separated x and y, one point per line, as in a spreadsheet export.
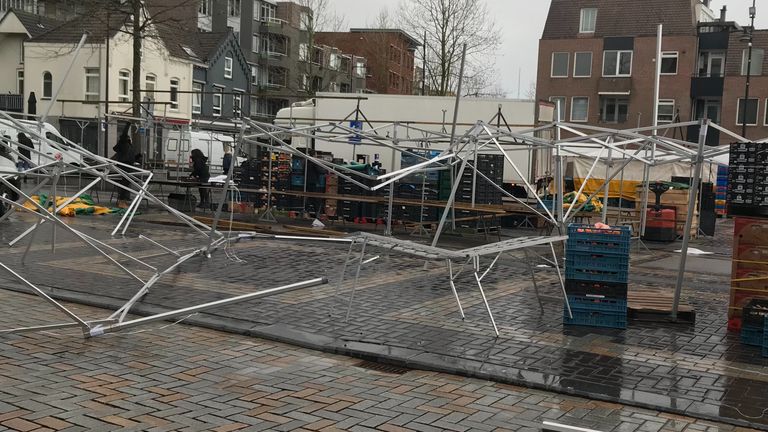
749	37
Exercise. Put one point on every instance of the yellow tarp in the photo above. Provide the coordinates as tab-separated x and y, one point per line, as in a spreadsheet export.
81	205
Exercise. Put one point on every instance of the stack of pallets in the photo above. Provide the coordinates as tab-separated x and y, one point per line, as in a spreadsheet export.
596	272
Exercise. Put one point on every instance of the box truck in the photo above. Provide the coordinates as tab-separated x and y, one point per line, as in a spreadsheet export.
430	113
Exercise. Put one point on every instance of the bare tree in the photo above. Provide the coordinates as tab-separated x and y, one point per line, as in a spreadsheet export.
448	26
530	93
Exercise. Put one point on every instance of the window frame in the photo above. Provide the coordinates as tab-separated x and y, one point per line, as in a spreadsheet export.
668	55
255	75
573	99
581	20
89	73
757	111
256	43
234	8
567	64
173	96
575	62
745	59
205	8
197	97
50	85
229	66
603	99
304	52
618	63
562	112
217	94
20	81
237	104
257	10
360	68
150	94
124	79
666	102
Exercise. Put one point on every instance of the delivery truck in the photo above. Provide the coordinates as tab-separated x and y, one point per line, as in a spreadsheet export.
430	113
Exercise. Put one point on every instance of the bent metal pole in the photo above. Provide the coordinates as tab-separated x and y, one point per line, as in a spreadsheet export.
692	193
99	330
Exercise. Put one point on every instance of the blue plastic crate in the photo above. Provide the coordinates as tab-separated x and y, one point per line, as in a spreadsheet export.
588	260
752	335
596	319
597	304
586	238
597	274
548	204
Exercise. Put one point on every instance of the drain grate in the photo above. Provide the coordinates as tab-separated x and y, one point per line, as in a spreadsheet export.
382	367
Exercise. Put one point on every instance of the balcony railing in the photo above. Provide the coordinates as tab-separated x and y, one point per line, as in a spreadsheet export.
12	102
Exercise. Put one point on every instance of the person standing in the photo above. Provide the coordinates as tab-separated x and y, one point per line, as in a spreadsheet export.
201	173
227	162
25	150
123	154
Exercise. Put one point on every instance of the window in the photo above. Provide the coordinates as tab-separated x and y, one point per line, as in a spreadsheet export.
149	86
267	11
256	10
613	109
303	52
233	8
711	64
757	62
254	75
669	63
255	42
205	8
304	82
218	97
174	93
560	65
237	105
345	88
306	21
20	82
394	54
228	67
394	80
123	85
666	113
559	102
333	87
197	98
582	64
617	63
579	109
333	61
360	68
47	85
92	82
751	112
588	20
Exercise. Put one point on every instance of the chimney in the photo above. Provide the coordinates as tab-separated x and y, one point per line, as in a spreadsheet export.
722	13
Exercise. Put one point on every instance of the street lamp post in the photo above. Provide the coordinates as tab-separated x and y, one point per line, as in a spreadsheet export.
749	37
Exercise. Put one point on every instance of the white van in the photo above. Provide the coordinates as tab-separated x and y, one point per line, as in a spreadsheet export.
7	128
179	144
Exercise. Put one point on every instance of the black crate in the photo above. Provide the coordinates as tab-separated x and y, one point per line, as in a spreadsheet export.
579	287
755	312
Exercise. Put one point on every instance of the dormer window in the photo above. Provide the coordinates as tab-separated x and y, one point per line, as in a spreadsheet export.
588	20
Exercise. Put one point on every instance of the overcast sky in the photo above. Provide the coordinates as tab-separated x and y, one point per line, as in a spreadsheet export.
521	23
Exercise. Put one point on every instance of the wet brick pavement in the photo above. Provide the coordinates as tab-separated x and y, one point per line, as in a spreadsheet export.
172	377
406	315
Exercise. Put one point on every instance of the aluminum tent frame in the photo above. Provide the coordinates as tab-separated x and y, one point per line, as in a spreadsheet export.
48	171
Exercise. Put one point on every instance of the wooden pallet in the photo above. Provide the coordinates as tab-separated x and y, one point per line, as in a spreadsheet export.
648	304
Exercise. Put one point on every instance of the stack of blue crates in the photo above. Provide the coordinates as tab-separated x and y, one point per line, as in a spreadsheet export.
754	327
596	273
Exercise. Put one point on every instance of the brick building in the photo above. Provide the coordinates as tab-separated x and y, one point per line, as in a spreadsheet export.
390	55
597	64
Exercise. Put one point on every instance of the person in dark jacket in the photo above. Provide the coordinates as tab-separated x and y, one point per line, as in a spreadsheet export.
201	173
123	154
25	147
227	162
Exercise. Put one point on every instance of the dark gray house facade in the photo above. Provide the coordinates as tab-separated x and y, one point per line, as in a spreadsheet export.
221	82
